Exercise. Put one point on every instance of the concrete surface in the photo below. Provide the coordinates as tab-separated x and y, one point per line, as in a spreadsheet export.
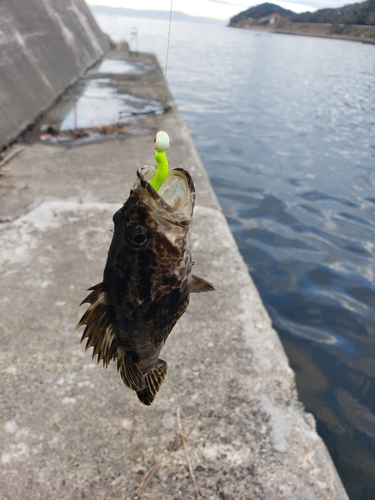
45	46
70	429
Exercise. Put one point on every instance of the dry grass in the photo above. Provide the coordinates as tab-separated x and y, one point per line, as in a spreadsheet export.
170	446
78	133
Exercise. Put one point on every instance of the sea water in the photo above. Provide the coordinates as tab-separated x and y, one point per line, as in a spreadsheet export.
285	126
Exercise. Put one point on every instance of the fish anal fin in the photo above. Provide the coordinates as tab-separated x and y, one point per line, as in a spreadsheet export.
198	285
153	379
131	375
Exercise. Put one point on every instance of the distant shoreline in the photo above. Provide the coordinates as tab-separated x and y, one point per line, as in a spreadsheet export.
314	30
160	15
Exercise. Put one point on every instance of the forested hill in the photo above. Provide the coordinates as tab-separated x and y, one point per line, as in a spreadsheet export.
357	13
260	11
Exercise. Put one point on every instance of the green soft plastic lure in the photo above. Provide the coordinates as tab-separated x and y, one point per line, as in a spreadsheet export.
161	144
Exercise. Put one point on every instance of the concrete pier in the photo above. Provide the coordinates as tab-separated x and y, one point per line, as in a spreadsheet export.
70	429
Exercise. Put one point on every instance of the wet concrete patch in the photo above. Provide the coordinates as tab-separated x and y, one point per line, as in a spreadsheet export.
96	107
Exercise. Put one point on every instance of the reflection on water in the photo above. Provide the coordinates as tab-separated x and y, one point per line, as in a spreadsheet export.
285	127
102	104
94	102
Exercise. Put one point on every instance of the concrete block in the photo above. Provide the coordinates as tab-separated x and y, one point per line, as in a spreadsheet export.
45	46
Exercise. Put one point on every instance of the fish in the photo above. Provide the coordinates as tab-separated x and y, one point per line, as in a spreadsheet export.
147	281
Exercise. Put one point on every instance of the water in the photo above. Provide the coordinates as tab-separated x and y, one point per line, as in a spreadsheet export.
285	126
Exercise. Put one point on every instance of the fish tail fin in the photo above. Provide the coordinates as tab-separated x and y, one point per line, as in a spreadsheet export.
153	379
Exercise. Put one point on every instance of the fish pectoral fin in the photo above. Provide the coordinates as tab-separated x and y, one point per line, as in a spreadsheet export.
153	379
131	375
99	331
198	285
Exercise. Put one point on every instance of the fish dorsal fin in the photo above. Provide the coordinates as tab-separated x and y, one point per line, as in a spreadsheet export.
153	379
99	331
198	285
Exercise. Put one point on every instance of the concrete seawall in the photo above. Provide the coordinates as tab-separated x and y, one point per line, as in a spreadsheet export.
71	430
45	46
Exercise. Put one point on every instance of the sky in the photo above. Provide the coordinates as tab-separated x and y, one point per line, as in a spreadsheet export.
220	9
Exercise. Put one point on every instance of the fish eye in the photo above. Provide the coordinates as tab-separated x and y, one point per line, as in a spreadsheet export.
139	237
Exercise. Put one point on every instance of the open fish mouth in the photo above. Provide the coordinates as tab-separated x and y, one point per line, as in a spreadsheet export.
175	199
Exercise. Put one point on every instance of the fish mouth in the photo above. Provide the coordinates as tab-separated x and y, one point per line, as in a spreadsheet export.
175	199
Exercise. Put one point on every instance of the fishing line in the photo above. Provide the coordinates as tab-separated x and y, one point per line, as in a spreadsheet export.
166	66
161	142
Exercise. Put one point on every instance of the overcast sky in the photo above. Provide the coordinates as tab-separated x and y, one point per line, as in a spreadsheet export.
221	9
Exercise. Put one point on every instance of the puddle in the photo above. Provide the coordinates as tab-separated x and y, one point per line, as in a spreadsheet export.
102	104
121	67
96	106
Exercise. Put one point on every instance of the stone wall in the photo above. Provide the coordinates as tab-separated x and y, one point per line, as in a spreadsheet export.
45	45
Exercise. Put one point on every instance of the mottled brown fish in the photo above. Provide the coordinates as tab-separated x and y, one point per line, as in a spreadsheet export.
147	281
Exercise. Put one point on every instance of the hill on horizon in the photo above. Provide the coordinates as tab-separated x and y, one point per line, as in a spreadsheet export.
362	13
153	14
260	11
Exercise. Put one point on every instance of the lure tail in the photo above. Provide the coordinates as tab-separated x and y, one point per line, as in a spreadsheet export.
162	170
